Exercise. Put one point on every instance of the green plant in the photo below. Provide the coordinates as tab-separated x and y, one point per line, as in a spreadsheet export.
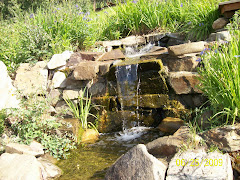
81	109
2	120
220	76
30	124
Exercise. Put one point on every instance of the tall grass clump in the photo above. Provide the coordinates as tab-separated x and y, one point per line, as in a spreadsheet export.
220	76
81	109
29	33
192	17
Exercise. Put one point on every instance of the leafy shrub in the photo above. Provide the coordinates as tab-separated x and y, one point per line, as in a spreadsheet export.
31	125
220	76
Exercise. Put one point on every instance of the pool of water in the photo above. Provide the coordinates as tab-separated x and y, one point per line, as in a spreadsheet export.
92	161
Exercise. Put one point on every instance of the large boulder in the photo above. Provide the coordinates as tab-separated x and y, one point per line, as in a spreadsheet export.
32	80
137	163
59	60
8	98
184	82
197	164
16	166
27	167
186	48
225	138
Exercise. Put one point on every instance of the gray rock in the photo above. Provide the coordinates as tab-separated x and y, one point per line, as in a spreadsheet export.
98	87
154	37
220	23
34	149
225	138
184	82
20	167
197	164
220	36
8	98
133	40
72	94
54	96
166	146
59	60
58	80
51	170
137	163
112	43
187	48
32	80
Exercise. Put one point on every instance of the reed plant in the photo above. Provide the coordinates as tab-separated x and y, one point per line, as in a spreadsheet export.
220	76
81	109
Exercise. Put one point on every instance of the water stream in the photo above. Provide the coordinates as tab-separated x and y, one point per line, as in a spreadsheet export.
92	161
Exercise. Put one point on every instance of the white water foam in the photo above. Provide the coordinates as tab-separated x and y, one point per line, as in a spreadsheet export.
130	134
132	52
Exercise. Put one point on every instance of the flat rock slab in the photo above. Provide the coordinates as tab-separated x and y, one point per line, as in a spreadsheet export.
111	55
20	167
184	82
187	48
77	57
32	80
197	164
35	149
225	138
137	163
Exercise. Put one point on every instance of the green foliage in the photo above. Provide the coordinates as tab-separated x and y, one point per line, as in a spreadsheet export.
2	119
39	29
81	109
220	76
31	125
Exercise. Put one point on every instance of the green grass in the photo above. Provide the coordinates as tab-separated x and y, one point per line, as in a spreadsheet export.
29	34
220	77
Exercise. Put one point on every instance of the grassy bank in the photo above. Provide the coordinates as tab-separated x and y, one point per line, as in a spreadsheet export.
30	34
220	77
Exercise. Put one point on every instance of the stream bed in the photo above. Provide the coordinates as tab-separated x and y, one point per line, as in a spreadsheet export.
92	161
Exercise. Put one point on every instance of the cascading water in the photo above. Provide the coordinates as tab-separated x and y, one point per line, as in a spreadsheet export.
128	87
